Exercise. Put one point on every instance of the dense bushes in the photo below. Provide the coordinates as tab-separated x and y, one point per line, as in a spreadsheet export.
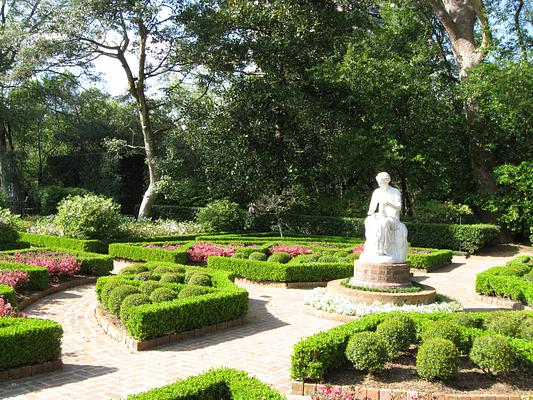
38	277
222	216
8	294
431	261
437	359
89	217
493	354
509	281
8	226
367	351
86	245
397	334
51	196
25	341
149	251
217	384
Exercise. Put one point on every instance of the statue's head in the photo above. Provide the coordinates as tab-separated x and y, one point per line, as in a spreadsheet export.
383	179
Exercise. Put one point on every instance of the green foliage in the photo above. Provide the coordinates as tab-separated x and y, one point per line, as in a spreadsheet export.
443	329
431	261
437	358
506	323
117	296
436	212
200	279
139	252
367	351
397	333
8	294
49	197
525	331
132	300
222	216
162	294
104	292
328	259
145	276
133	269
466	319
493	354
239	255
26	341
147	287
37	276
172	277
88	217
279	257
8	226
41	240
216	384
258	256
191	291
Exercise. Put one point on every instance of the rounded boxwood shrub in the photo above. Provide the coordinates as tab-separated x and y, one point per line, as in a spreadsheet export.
341	253
280	257
117	295
525	330
397	333
352	257
200	279
190	273
148	287
133	269
437	358
190	291
161	270
257	255
443	329
493	354
466	319
132	300
222	216
107	288
8	226
145	276
505	323
162	294
366	351
239	255
172	277
89	217
328	259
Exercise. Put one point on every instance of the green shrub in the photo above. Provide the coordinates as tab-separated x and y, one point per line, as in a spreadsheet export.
222	216
145	276
106	290
328	259
342	253
436	212
162	294
366	351
258	256
397	333
8	226
140	252
51	196
493	354
239	255
443	329
9	295
431	261
26	341
505	323
191	291
200	279
38	277
132	300
466	319
525	331
353	256
437	358
147	287
133	269
172	277
117	295
279	257
88	217
41	240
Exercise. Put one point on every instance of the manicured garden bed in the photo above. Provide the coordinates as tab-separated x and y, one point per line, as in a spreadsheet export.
173	252
155	299
513	281
216	384
341	355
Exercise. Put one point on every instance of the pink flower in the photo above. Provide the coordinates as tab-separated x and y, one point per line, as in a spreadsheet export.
331	393
6	310
292	250
13	278
413	251
199	252
57	264
163	246
358	249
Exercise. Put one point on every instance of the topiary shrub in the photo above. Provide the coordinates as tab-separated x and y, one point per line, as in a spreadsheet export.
525	331
162	294
133	269
467	320
279	257
172	277
328	259
352	256
493	354
505	323
200	279
117	295
366	351
190	273
161	270
190	291
8	226
341	253
239	255
147	287
132	300
437	358
144	276
257	255
443	329
88	217
107	288
222	216
397	333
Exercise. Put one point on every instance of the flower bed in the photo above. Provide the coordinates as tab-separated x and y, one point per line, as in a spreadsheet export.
170	309
219	384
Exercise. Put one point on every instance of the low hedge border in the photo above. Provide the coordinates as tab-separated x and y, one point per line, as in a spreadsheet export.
92	264
139	252
507	281
313	357
157	319
8	294
429	262
38	277
25	341
215	384
14	246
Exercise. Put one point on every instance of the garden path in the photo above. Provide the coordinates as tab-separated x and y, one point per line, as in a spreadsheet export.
96	367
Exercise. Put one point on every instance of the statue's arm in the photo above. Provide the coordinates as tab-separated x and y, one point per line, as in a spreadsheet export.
396	201
373	203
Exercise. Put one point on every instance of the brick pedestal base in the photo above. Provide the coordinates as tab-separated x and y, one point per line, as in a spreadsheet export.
381	275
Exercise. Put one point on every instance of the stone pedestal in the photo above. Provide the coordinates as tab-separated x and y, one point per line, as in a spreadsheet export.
381	276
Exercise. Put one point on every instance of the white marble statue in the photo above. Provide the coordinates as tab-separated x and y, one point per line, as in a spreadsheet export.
386	236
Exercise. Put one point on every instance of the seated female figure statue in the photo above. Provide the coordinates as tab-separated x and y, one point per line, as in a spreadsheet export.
386	236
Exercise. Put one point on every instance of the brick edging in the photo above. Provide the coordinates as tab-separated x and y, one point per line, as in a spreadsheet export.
300	388
283	285
54	289
502	301
30	370
120	335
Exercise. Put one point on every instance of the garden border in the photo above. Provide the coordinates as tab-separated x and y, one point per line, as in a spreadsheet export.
122	336
283	285
31	370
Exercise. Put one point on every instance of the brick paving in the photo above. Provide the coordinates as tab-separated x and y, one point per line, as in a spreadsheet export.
97	367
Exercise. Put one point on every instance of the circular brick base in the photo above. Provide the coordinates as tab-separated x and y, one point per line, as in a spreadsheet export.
426	296
377	276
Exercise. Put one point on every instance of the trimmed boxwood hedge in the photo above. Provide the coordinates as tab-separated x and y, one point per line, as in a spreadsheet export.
25	341
226	301
14	246
139	252
41	240
431	261
508	281
8	294
215	384
313	357
37	276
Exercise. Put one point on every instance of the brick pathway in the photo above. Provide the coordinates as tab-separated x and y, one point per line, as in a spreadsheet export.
96	367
